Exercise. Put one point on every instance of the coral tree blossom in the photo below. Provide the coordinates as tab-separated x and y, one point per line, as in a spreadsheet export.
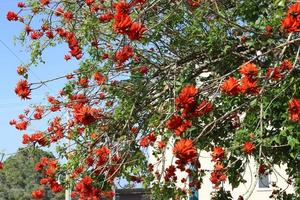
22	89
185	151
291	23
294	110
248	147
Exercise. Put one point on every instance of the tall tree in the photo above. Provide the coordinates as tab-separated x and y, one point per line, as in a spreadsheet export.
18	178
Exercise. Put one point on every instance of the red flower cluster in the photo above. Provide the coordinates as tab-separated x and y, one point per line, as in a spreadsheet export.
106	17
99	78
123	54
145	141
55	129
177	125
49	168
38	114
103	155
21	5
55	104
123	23
38	194
72	41
23	89
277	73
44	2
218	153
12	16
86	115
231	86
22	125
248	147
185	152
291	23
194	3
85	190
217	177
247	84
294	110
186	102
186	98
37	137
170	173
218	174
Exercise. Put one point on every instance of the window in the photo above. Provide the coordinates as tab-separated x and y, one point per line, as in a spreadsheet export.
264	181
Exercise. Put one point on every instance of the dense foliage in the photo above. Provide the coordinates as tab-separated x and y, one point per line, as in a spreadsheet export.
19	177
217	76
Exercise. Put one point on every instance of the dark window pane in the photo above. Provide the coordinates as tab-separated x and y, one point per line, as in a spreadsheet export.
264	181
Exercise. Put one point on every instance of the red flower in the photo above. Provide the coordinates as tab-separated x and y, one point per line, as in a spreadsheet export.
286	65
218	153
106	17
145	141
194	3
86	115
143	70
231	86
122	8
177	125
248	85
203	108
99	78
123	54
248	69
68	16
22	125
185	151
294	110
269	28
262	169
122	23
161	144
218	166
291	22
83	82
26	139
87	180
103	155
136	31
1	165
21	5
248	147
44	2
89	2
274	73
35	35
12	16
216	177
186	97
38	194
22	89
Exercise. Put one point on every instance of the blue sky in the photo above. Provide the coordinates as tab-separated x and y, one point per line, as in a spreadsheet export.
10	104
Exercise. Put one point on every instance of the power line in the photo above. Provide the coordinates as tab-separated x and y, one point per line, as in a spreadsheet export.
13	53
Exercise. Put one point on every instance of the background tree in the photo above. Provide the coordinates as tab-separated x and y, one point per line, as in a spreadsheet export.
219	76
18	178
